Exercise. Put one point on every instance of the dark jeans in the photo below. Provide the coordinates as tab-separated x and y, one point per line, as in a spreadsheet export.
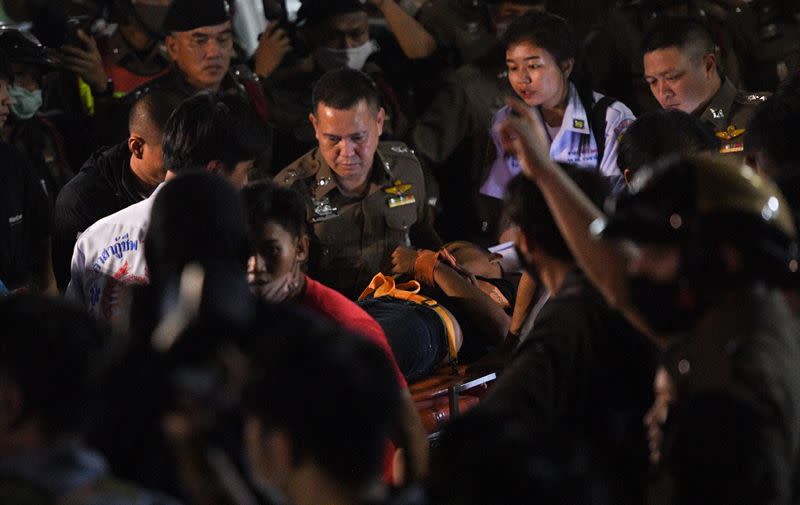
415	333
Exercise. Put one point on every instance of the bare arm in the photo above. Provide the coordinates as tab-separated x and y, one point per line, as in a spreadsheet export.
414	440
414	40
604	262
526	291
487	314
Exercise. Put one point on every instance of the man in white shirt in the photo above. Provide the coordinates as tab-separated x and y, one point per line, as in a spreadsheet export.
209	132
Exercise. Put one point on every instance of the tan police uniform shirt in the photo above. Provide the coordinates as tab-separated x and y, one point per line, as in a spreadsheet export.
729	113
354	236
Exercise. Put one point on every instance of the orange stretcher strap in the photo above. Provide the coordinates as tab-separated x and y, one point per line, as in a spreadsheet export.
385	285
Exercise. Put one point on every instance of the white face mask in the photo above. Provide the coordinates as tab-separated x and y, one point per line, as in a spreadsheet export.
354	57
26	102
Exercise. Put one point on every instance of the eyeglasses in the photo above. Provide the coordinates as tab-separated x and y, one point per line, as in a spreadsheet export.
201	40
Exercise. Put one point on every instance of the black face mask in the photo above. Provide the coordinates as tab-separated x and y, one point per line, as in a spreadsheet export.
668	307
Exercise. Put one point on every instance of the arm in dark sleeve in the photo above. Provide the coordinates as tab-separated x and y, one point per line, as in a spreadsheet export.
83	201
70	219
40	212
537	385
444	125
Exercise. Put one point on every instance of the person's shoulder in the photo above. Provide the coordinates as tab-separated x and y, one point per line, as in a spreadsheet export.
95	173
396	149
133	217
501	114
400	159
745	104
302	168
319	292
752	98
615	109
165	82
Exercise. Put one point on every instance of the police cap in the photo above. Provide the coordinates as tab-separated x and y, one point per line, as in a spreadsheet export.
186	15
22	47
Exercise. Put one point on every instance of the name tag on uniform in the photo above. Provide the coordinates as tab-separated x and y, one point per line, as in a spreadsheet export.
399	194
399	201
732	147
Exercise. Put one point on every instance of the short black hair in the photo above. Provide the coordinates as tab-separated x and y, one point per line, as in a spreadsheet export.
266	201
659	133
313	12
681	32
333	393
55	354
154	107
546	30
527	208
212	126
196	218
343	88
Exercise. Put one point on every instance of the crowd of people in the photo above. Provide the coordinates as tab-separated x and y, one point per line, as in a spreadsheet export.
237	237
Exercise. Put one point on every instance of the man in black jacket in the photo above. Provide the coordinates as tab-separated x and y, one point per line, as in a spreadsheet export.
580	367
113	178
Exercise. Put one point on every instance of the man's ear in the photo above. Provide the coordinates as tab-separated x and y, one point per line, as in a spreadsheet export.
136	146
627	175
171	43
710	64
302	248
10	405
567	67
313	119
380	118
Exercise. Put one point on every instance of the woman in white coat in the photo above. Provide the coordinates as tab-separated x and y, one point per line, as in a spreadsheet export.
583	127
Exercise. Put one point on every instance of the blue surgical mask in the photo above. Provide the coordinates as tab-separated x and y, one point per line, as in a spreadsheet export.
26	102
353	57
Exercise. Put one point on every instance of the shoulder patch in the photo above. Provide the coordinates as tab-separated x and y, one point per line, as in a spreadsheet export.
299	169
391	149
752	98
623	125
241	72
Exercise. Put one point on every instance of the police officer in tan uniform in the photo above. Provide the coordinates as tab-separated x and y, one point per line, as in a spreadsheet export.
680	65
365	197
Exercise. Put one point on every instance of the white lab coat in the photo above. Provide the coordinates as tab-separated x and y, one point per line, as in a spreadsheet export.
108	256
574	143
